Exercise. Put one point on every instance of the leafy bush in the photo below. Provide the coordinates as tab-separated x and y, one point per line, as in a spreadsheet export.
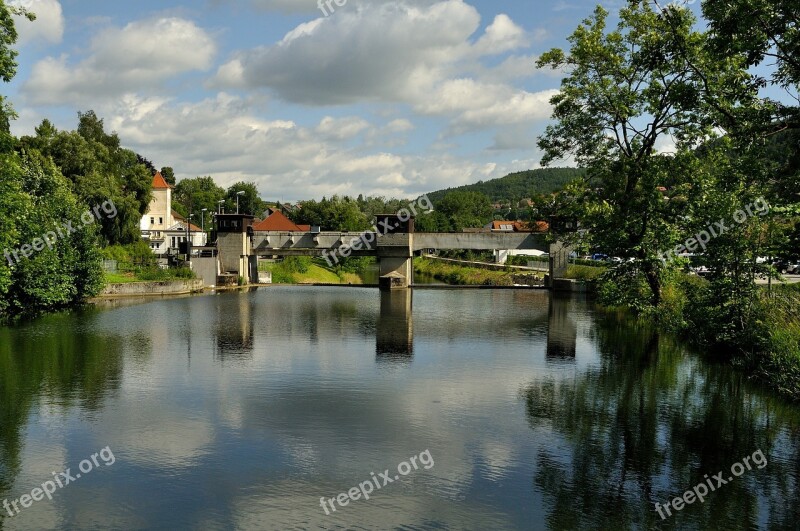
296	264
156	274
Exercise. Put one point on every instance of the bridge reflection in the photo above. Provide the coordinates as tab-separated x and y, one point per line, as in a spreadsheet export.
394	330
562	332
394	338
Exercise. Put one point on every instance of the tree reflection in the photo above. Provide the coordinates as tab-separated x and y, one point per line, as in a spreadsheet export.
646	425
53	361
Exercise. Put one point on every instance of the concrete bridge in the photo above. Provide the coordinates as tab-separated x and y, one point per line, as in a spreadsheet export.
240	246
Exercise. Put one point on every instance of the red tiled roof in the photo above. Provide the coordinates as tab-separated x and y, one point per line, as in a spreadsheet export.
181	219
521	226
279	223
159	183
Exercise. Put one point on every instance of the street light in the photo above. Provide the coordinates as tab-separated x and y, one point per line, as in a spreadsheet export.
219	208
203	223
239	193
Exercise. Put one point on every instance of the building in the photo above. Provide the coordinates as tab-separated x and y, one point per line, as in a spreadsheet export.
162	227
517	226
276	221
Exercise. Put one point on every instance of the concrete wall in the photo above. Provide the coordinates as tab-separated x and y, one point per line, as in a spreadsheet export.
233	247
206	269
480	241
137	289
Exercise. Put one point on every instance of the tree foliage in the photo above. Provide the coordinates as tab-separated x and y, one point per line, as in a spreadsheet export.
629	90
336	213
99	170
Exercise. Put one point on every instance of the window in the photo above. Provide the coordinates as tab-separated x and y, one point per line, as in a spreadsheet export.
160	221
173	242
152	221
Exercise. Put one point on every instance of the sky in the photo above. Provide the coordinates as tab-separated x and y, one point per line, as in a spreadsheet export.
393	98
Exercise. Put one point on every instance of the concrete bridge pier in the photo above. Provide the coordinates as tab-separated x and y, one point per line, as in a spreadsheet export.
395	261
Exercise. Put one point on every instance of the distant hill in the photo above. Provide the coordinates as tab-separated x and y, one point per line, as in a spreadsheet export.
520	185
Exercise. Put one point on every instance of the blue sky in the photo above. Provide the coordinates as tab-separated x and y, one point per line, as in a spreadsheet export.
381	97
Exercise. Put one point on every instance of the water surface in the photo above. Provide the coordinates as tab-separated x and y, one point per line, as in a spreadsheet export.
241	410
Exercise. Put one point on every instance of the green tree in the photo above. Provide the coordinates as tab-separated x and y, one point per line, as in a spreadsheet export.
100	170
169	175
249	202
464	210
627	90
336	213
193	195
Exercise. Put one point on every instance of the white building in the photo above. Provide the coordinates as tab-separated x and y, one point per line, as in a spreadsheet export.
162	227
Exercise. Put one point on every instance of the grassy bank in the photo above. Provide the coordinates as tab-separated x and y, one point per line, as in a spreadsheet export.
459	275
148	275
775	358
303	270
758	332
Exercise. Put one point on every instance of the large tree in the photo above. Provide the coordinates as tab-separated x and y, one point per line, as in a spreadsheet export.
628	92
100	170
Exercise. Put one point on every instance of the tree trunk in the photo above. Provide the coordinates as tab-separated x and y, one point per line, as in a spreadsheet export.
652	280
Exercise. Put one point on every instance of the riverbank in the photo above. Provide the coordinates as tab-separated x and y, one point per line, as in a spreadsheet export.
760	336
160	288
303	270
477	274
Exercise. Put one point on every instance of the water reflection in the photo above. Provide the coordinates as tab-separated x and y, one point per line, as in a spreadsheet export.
537	414
235	326
645	426
562	332
51	365
394	338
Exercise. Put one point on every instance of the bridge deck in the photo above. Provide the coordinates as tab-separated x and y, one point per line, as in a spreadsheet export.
367	243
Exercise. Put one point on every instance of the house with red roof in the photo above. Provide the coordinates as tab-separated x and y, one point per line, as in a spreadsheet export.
276	221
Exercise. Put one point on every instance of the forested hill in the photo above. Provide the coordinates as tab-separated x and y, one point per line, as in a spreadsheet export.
518	185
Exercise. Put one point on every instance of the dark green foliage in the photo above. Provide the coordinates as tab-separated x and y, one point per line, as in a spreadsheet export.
193	195
456	211
336	213
100	170
56	276
516	186
249	202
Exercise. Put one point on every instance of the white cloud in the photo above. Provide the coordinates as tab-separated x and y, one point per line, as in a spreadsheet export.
341	128
395	52
49	23
140	56
388	52
501	36
220	137
476	105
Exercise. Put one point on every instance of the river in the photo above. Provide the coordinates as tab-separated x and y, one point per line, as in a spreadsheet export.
257	409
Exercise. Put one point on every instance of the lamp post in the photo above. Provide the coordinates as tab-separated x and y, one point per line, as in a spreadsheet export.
238	194
203	220
219	208
189	240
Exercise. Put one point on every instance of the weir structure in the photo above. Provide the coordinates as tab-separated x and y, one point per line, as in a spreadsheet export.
395	244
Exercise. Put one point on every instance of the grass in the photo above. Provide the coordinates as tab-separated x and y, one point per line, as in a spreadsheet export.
584	272
149	275
312	272
460	275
